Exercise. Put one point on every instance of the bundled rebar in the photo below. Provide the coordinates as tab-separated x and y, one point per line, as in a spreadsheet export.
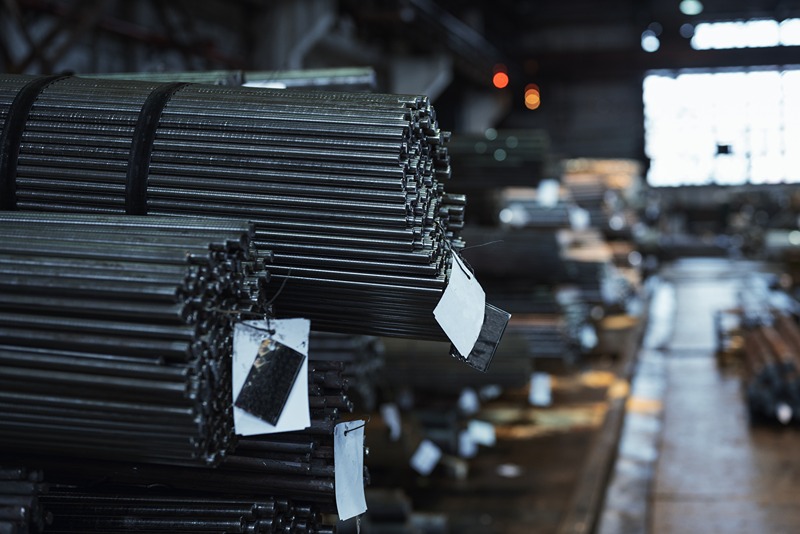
21	511
296	465
363	362
115	334
126	509
345	188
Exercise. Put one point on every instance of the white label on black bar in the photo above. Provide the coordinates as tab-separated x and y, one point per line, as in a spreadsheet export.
247	338
348	467
461	309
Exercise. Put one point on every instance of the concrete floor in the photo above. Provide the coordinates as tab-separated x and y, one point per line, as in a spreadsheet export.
716	473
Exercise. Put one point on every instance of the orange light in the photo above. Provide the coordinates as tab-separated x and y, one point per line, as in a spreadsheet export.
532	97
500	80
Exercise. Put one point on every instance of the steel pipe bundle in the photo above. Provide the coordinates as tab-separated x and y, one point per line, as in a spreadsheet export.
770	348
296	465
20	509
412	364
115	334
345	188
363	362
158	511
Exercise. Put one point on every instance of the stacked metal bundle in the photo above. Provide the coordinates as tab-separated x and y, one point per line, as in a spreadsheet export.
770	347
157	511
363	361
547	335
413	364
507	255
115	334
532	214
345	188
20	509
296	465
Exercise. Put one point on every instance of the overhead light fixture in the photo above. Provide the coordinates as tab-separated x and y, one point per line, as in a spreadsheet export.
691	7
650	41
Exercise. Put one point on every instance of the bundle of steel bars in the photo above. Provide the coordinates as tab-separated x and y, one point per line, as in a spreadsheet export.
115	333
770	347
363	362
345	188
21	511
296	465
158	511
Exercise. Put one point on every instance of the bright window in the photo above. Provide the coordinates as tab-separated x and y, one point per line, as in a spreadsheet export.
724	128
746	34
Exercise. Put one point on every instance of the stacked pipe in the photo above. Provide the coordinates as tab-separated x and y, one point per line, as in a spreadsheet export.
391	510
363	362
771	351
296	465
772	369
157	511
532	214
345	188
413	364
21	511
115	334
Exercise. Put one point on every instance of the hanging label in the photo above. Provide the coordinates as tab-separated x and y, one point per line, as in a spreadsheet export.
540	392
467	448
271	378
548	192
482	432
348	468
461	309
426	457
391	416
248	339
468	402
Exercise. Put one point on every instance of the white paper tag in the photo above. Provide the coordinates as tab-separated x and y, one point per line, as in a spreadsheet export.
482	432
247	337
540	393
548	192
426	457
467	448
391	416
468	402
348	468
461	309
490	392
588	337
579	218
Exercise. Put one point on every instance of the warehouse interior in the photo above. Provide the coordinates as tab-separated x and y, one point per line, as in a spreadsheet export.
399	266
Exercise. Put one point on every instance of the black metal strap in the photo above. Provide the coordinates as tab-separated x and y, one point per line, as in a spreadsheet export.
11	136
142	147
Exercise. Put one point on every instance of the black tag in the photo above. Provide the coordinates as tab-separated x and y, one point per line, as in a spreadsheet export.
495	321
269	381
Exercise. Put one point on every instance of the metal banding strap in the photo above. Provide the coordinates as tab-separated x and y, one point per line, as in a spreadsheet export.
11	136
142	147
